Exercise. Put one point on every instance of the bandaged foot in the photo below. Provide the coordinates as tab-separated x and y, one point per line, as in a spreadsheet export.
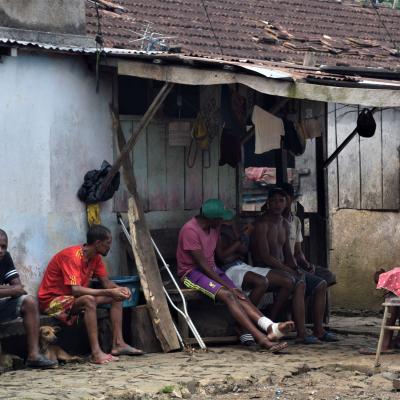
279	329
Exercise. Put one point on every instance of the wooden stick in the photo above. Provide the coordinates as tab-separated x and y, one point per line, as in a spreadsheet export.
150	278
147	117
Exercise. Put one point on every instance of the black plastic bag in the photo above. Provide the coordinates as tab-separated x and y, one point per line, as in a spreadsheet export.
366	124
89	192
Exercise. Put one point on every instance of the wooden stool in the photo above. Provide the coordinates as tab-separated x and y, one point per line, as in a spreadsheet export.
390	302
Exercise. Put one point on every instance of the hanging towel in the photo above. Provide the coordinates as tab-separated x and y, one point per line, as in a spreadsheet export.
309	128
268	130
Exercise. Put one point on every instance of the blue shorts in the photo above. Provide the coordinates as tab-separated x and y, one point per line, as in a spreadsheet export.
10	308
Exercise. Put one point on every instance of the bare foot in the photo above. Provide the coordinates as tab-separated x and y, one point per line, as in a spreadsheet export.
126	350
283	328
102	358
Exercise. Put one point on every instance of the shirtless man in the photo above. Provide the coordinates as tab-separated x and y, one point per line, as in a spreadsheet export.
271	250
232	250
316	286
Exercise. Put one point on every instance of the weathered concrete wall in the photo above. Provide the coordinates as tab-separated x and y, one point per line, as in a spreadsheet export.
362	242
54	128
62	16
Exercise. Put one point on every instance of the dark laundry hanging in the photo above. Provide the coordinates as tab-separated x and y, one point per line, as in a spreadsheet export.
293	141
230	149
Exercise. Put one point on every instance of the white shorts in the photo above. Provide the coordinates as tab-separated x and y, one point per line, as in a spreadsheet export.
237	272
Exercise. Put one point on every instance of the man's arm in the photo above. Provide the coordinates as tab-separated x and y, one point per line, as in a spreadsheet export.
116	293
261	245
300	257
14	289
225	251
200	260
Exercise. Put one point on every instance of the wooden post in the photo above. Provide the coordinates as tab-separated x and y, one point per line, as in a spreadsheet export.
150	277
147	117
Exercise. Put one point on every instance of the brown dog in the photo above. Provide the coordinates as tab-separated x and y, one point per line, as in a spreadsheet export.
47	336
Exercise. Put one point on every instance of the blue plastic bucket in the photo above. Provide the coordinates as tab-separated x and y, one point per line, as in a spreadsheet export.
132	283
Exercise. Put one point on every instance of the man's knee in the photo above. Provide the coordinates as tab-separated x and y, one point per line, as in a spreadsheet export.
300	287
226	296
88	302
29	305
321	288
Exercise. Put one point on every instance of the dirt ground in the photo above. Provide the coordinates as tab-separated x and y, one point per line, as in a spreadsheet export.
330	371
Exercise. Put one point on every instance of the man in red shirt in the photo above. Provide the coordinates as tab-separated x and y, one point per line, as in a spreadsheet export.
64	291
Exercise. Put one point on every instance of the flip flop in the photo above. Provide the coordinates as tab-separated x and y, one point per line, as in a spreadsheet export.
276	348
309	339
41	362
371	351
328	337
129	351
108	359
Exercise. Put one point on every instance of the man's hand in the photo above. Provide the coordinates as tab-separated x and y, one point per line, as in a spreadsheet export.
18	290
120	293
238	293
311	268
248	229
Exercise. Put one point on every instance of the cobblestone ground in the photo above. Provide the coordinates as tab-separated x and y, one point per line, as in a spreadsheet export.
329	371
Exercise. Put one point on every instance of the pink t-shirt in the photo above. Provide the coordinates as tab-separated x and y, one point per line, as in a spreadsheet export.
193	237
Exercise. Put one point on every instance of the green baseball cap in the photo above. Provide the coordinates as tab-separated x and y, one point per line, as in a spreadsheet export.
215	209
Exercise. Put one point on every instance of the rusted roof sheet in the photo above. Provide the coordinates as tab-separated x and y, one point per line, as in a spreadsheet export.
284	31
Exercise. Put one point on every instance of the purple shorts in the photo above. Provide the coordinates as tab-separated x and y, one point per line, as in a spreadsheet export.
198	280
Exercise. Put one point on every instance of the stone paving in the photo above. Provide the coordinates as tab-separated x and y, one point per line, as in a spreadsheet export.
193	374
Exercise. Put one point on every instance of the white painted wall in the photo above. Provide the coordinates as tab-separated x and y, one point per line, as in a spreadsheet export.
54	127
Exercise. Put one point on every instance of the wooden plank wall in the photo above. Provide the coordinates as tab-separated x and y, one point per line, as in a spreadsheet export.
366	173
166	184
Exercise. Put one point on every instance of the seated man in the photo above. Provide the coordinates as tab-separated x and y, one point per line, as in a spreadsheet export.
316	286
64	291
232	248
15	303
197	270
271	249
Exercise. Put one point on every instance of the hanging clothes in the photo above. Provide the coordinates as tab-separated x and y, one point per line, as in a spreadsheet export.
230	149
292	141
268	130
309	128
233	110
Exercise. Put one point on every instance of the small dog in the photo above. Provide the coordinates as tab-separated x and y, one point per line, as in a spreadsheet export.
47	336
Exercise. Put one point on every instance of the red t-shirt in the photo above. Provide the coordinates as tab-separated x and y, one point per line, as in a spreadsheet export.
68	268
193	237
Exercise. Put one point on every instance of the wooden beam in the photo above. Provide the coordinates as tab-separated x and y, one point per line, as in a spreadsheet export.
127	166
147	117
150	277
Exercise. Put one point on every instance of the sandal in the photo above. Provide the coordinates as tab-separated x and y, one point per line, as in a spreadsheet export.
309	339
41	362
328	337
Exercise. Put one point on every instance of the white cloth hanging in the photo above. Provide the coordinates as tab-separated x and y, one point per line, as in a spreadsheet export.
268	130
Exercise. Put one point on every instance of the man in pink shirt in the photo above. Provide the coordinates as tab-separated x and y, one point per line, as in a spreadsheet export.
197	270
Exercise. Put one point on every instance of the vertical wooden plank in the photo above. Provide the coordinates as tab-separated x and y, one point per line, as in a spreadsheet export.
157	167
175	177
333	199
348	159
390	151
210	175
210	100
193	181
227	185
150	278
139	158
371	168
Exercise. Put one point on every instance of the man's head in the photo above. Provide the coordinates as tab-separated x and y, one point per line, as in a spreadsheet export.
99	237
3	243
277	201
214	211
